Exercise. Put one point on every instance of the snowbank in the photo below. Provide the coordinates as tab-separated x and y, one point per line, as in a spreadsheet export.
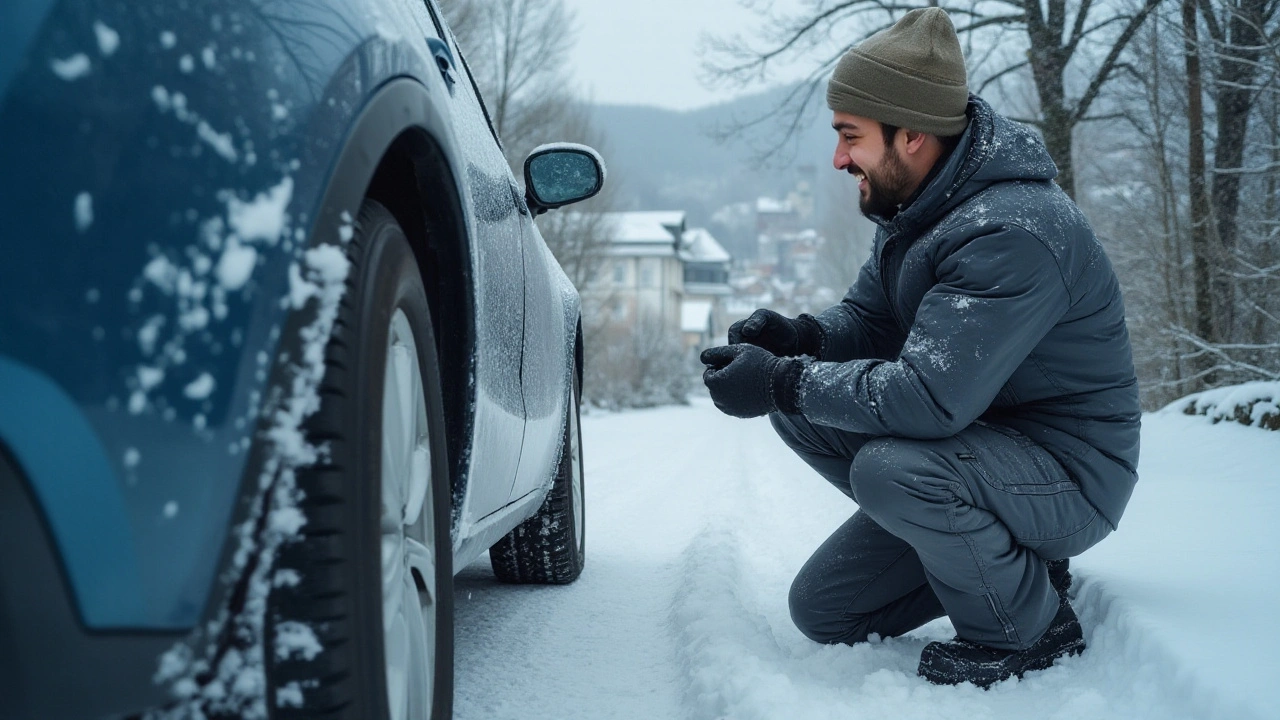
1255	403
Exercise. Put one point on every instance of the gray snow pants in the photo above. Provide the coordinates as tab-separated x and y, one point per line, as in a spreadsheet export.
959	526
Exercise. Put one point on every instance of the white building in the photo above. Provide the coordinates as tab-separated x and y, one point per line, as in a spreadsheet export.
706	289
643	279
664	275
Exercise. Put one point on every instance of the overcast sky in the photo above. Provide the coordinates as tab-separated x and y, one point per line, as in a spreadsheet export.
644	52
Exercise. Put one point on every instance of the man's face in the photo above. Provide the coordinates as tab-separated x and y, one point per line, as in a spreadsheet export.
884	181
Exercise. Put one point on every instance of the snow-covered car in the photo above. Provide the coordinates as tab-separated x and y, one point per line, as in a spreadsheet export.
281	349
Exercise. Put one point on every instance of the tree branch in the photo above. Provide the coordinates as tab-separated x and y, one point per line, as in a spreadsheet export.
994	20
1012	68
1104	71
1077	30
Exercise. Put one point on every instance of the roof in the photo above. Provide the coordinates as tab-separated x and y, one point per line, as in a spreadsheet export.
695	316
768	205
651	226
701	246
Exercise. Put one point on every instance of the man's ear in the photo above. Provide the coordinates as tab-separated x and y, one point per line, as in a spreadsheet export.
915	140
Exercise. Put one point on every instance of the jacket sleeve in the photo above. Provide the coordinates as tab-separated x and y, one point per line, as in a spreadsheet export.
997	295
862	325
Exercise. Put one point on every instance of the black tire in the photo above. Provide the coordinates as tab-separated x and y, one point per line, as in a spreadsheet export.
550	547
339	557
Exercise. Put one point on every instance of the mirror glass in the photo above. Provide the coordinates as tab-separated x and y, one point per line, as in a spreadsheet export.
559	177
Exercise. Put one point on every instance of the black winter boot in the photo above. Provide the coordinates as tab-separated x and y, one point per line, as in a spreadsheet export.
1059	576
958	661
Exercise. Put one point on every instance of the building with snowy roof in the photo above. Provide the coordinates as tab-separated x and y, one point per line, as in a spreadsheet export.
664	275
706	288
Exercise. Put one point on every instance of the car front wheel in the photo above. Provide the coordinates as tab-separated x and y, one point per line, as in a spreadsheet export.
373	570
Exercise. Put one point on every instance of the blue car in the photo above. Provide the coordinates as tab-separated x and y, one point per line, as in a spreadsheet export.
280	349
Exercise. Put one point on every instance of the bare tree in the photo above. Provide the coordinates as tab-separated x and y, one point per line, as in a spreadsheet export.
1200	314
1237	40
1054	32
518	50
1200	227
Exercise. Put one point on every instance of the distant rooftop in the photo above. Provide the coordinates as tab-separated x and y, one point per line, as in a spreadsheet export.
771	206
701	246
650	226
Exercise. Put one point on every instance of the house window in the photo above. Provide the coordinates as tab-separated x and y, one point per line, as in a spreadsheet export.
619	273
648	274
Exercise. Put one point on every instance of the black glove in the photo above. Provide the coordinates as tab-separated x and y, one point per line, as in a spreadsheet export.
780	335
748	381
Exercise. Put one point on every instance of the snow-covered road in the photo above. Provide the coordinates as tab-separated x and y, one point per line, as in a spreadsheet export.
697	522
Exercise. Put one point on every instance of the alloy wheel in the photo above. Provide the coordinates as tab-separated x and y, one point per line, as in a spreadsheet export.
409	593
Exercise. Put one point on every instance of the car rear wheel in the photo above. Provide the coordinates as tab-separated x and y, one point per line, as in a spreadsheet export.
372	578
550	547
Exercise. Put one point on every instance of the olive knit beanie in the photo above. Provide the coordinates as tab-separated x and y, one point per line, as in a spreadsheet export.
911	75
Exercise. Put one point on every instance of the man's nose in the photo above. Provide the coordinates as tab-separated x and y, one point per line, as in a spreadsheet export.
841	160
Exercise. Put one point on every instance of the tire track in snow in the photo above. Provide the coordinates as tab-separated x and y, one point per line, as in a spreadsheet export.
599	648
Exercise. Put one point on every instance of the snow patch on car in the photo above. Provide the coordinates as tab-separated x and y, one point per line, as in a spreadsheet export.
262	218
108	39
200	388
83	211
198	284
222	670
220	142
71	68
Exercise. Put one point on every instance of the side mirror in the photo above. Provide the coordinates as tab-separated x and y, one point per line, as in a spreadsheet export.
561	174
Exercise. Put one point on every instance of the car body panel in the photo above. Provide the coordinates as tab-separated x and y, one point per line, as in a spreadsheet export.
545	384
153	308
499	405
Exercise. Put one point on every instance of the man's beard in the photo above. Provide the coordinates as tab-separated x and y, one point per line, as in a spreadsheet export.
887	188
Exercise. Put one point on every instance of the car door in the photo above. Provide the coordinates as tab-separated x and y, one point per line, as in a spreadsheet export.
498	261
547	354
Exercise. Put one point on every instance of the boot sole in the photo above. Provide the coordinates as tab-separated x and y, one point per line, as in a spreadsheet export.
984	675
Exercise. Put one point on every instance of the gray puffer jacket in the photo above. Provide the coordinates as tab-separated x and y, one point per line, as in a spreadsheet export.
988	297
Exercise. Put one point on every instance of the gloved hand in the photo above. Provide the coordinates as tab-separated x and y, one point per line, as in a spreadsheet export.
780	335
748	381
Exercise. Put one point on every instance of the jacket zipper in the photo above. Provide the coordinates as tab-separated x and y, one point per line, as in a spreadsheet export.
888	281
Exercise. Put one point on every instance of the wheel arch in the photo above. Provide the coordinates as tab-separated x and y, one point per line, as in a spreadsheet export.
396	154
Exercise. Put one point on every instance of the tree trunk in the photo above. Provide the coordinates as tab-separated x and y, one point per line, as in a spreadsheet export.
1058	130
1200	247
1238	52
1048	67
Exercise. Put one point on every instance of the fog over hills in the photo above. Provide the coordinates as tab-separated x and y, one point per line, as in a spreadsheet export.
666	159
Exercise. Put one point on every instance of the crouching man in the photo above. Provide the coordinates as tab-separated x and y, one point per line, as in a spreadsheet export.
973	393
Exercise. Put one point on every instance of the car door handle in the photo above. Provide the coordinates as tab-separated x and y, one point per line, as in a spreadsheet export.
444	61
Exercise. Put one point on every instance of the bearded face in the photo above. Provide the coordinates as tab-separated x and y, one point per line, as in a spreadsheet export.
868	150
883	186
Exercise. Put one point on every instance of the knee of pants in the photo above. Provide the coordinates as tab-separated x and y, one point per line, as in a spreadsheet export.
877	474
821	620
886	476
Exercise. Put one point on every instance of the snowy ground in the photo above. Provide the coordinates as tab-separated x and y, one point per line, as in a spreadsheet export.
697	522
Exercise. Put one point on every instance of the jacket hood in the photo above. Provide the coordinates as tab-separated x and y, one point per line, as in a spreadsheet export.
992	149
